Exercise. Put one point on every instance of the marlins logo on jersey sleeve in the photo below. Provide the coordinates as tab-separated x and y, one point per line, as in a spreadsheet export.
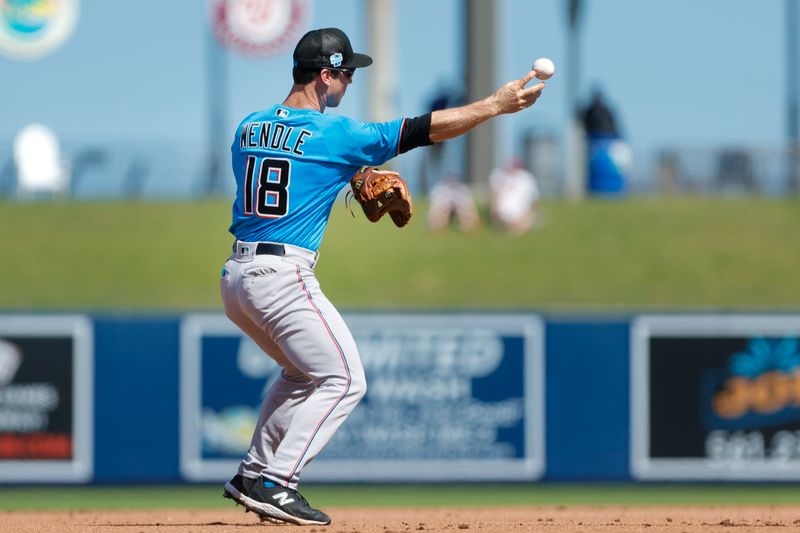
290	165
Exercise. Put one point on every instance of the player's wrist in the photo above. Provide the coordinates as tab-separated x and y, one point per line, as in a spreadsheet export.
492	106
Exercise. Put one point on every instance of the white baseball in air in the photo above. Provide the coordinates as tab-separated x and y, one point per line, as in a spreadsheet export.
544	68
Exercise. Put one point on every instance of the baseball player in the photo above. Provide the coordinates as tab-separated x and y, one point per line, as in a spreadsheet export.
290	161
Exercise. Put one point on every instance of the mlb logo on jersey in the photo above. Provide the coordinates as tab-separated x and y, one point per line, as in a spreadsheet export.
336	60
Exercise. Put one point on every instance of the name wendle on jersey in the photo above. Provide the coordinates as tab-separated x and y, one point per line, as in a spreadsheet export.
272	136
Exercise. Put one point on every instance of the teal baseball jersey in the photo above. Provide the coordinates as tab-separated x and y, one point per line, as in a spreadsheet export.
290	165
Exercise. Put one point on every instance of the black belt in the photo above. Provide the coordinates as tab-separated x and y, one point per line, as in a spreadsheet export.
268	248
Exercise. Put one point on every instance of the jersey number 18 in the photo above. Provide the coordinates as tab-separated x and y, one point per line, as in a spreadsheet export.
270	199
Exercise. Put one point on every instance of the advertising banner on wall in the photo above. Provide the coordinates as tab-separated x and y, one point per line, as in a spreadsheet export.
449	397
46	384
715	397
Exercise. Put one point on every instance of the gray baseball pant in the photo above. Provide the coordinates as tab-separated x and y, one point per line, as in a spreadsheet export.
277	302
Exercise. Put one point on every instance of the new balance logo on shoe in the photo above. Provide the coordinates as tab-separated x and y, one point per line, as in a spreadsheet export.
283	498
274	503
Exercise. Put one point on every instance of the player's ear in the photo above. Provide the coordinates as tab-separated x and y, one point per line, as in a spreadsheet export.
326	76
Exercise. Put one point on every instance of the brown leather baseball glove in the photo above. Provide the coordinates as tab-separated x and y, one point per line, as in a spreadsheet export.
380	192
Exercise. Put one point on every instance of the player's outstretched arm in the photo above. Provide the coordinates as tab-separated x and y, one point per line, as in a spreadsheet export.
510	98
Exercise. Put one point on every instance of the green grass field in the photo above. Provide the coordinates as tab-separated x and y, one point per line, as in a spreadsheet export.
203	497
676	253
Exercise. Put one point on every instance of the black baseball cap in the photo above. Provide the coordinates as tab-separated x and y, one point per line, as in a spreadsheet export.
327	48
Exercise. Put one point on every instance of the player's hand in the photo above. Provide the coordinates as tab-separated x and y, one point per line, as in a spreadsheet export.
514	96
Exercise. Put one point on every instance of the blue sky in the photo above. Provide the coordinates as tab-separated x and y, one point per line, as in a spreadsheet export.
678	72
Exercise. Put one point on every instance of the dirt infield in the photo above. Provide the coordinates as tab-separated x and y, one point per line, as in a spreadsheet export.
736	519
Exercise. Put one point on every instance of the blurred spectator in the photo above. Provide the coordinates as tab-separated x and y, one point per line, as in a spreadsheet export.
610	158
514	194
442	158
451	202
37	157
598	119
668	172
735	172
7	178
446	96
84	162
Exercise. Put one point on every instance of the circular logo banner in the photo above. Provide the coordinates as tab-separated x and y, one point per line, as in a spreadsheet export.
258	27
32	29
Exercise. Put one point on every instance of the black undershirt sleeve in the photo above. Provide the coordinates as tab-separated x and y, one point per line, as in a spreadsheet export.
415	133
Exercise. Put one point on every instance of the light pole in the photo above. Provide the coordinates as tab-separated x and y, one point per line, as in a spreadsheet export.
217	102
481	56
381	14
575	171
792	86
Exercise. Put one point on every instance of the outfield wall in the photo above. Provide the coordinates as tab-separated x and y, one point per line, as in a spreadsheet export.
451	397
